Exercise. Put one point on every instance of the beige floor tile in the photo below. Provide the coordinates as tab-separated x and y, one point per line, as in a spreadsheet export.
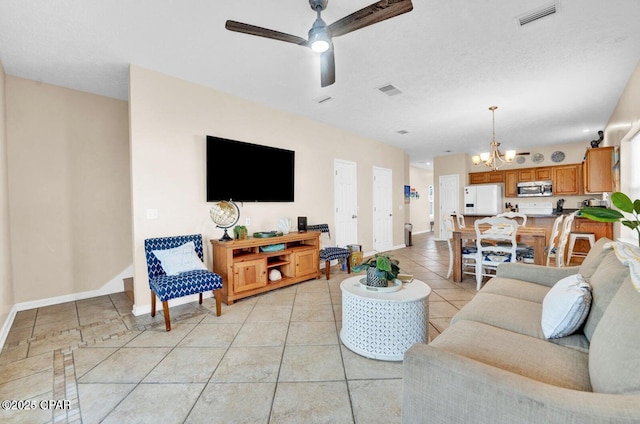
358	367
441	310
27	387
98	400
25	318
211	335
156	403
311	363
17	334
186	365
249	364
313	297
99	330
160	337
87	358
265	312
455	294
312	333
376	401
262	334
312	312
26	367
13	353
219	403
126	365
51	343
311	402
31	416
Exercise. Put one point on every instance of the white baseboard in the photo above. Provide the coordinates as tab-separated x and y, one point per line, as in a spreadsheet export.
115	285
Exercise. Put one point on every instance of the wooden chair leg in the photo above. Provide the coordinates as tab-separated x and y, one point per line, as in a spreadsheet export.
167	319
201	298
326	268
218	295
153	304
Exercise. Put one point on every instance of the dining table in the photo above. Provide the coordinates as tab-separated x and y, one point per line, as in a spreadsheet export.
536	236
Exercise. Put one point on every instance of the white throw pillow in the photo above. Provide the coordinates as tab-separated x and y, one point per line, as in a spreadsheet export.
565	307
179	259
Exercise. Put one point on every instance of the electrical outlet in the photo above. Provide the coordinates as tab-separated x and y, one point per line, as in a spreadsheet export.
247	222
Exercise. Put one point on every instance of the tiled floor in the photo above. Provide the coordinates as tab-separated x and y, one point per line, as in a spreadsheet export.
273	358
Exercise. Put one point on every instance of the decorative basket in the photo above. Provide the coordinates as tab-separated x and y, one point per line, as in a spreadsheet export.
373	280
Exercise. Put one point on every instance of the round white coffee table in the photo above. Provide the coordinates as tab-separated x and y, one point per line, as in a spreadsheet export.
382	325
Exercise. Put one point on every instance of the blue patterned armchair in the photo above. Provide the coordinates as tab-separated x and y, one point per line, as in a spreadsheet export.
328	254
167	287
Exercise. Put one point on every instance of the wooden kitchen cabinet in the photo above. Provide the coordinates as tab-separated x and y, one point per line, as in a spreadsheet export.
597	170
244	266
487	177
585	225
511	183
566	180
534	174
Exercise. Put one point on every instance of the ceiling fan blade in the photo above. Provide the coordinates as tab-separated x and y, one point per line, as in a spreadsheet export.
522	153
327	68
264	32
370	15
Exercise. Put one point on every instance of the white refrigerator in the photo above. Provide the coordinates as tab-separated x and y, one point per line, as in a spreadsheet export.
483	199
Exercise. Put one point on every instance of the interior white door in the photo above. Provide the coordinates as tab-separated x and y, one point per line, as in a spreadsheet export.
449	195
346	203
382	209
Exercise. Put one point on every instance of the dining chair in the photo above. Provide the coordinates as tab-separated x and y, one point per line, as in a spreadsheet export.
564	238
490	256
524	249
448	233
552	247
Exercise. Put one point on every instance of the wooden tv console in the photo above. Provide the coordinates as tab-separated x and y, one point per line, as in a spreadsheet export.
244	267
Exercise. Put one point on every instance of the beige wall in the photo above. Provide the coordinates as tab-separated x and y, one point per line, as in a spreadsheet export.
7	297
68	187
170	119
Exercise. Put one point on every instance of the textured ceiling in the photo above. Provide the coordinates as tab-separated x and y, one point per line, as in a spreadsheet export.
552	79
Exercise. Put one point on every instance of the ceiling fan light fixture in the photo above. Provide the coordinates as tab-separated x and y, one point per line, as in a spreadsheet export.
319	38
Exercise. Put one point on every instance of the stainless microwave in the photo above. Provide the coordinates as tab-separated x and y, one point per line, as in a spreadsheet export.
535	189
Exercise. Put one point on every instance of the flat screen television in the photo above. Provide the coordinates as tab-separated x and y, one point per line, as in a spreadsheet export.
246	172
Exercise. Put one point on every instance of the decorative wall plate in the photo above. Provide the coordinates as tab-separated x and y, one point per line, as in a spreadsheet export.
537	158
520	159
557	156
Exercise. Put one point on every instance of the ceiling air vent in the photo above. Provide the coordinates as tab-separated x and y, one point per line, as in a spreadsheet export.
539	13
403	132
389	90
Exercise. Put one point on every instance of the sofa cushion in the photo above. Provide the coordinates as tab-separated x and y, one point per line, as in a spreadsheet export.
594	257
516	288
506	312
604	282
565	307
614	356
530	357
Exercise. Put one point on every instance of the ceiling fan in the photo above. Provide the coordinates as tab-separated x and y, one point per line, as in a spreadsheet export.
320	34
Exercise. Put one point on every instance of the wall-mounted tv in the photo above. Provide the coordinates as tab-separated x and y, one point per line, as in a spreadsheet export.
246	172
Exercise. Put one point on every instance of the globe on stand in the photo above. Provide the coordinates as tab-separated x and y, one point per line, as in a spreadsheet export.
225	214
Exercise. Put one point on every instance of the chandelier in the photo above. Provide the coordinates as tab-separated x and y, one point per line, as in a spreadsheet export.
495	158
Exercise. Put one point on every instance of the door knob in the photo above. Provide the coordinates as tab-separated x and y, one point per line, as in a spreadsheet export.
354	216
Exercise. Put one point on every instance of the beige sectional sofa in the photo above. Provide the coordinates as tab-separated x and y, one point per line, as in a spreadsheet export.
493	364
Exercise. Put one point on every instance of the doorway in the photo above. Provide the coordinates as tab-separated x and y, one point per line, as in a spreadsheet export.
345	199
449	196
382	209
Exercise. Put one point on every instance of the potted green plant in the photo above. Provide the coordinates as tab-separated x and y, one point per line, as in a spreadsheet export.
622	202
380	269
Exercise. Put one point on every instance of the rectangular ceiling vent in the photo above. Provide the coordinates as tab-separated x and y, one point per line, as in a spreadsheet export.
537	14
403	132
389	90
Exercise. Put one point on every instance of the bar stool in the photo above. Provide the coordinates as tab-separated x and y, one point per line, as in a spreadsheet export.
572	241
